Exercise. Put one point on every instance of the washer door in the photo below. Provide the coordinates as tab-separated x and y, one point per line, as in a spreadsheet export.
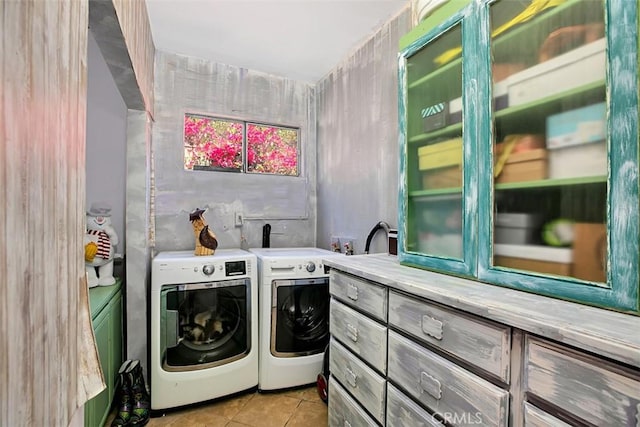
299	317
205	324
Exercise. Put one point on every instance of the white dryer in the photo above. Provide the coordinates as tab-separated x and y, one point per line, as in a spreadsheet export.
294	315
204	329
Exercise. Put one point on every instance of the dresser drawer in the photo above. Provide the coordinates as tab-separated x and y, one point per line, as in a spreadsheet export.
404	412
584	386
363	336
484	344
362	382
535	417
444	387
368	297
344	411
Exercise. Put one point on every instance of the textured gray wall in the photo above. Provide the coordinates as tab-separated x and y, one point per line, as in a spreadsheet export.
186	84
106	149
358	140
138	226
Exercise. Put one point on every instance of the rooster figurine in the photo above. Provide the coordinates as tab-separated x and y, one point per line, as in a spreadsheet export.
206	242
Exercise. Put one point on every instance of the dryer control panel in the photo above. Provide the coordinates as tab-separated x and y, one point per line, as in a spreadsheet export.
235	268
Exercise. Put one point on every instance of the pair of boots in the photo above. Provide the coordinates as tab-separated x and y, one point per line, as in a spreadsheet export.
134	403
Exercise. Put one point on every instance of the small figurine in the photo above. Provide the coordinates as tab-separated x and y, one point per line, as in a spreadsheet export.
100	242
206	242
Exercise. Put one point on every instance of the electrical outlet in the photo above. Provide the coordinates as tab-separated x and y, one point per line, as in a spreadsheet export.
238	219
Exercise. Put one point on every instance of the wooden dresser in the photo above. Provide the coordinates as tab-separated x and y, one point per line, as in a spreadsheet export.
412	348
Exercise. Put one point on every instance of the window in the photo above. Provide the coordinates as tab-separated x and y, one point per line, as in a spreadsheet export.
236	146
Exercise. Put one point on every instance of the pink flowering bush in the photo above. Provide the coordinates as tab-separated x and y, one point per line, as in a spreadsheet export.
272	150
212	143
217	143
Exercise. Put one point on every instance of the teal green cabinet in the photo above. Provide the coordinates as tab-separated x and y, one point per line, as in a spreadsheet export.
106	315
519	147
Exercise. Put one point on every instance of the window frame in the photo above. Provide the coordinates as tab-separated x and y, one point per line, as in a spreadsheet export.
244	168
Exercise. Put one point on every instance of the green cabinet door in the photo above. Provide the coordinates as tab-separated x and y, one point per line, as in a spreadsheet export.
95	413
115	343
107	312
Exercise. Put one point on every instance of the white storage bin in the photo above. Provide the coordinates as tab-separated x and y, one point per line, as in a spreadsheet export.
578	161
570	70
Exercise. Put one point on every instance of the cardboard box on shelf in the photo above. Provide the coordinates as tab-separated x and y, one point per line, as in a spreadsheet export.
502	70
448	177
524	166
535	258
441	154
569	37
441	164
590	252
546	267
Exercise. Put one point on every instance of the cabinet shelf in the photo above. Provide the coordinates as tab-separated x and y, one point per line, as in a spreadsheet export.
436	195
451	130
551	183
532	112
443	72
537	184
543	107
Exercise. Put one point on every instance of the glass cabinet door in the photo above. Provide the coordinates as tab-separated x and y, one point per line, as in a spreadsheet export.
432	117
550	142
555	155
519	147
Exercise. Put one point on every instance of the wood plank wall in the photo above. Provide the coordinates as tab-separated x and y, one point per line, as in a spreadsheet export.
134	22
42	177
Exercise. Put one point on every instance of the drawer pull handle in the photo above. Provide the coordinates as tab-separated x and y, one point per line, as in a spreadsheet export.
352	332
352	291
430	385
351	377
432	327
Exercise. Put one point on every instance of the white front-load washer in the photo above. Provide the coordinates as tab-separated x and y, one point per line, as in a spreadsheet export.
294	315
204	326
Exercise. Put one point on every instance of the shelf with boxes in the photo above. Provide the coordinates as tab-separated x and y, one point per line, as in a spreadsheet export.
524	110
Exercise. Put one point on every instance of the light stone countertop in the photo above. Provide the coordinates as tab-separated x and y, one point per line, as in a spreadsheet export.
607	333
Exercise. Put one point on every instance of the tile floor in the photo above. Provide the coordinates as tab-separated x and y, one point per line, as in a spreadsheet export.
299	407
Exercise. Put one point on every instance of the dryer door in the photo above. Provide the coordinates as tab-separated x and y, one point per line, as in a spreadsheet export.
205	324
299	317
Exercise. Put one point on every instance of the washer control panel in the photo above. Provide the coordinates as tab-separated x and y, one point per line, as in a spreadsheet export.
294	268
220	270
